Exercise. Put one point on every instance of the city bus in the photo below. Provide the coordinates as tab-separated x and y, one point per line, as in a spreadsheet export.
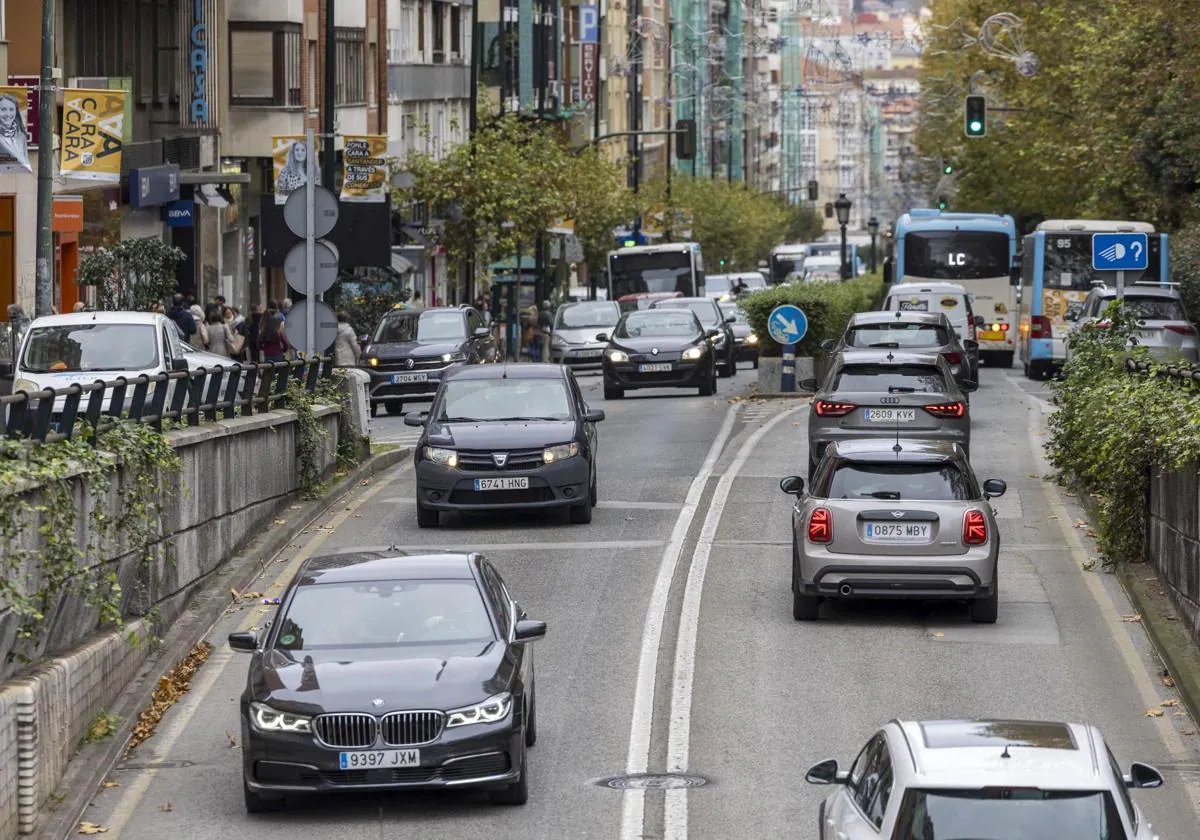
640	269
787	260
1057	274
975	250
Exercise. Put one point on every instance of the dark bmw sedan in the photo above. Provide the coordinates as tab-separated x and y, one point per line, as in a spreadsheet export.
504	437
659	348
385	671
412	348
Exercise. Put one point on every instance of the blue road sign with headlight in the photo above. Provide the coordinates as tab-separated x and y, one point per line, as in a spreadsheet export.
1120	252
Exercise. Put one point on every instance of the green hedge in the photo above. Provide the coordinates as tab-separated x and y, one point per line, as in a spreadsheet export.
828	307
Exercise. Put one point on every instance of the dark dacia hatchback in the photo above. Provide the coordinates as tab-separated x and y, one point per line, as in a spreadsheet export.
502	437
411	349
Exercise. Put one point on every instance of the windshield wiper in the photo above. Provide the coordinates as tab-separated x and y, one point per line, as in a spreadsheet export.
901	389
460	420
516	419
891	345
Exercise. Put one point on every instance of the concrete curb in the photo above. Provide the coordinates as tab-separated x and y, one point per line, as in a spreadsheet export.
206	604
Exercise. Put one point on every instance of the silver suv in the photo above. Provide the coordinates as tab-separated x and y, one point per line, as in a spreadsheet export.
1165	328
1033	780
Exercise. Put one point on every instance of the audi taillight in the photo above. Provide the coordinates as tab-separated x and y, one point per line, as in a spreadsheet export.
953	358
833	409
954	409
1182	329
1039	327
974	528
820	526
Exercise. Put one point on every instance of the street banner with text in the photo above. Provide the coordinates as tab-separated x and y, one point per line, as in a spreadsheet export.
588	66
14	130
93	131
291	165
365	168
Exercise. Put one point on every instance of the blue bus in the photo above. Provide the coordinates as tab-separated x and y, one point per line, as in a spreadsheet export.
787	260
677	267
1057	274
975	250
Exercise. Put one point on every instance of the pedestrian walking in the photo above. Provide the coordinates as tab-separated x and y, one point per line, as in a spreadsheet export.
222	341
346	352
253	325
200	341
272	338
182	317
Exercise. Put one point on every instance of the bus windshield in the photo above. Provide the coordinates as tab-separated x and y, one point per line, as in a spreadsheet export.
1067	261
956	255
783	265
668	271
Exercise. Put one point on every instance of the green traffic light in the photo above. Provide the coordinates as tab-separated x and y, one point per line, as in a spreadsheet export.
976	126
629	243
948	169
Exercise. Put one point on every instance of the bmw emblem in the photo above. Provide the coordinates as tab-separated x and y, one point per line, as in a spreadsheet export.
408	363
378	701
654	351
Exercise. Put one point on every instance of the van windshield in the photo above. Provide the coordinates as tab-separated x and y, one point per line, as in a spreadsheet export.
75	348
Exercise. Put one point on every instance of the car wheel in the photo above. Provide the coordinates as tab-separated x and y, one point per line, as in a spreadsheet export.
517	793
805	607
594	492
258	804
394	409
987	610
531	720
581	514
724	370
374	408
1004	360
756	362
428	517
613	393
710	387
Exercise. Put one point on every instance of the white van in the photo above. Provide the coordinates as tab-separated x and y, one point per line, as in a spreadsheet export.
950	299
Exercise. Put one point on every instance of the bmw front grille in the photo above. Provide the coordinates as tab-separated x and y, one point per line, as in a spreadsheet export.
409	729
350	730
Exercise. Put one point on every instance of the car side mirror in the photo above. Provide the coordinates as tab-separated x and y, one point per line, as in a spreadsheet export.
179	364
416	418
245	641
528	631
968	387
732	319
970	345
364	339
1143	776
602	336
825	773
828	344
593	415
994	488
793	485
713	333
979	320
809	384
482	332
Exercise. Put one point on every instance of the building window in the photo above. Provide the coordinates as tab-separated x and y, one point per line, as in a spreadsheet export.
313	66
264	65
349	66
408	29
456	42
395	46
421	30
372	72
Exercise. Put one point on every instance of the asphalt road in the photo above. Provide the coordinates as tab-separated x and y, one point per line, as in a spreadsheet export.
672	648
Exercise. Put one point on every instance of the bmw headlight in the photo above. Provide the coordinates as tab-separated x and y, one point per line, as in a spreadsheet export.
266	719
692	353
617	355
454	357
445	457
491	710
560	453
752	339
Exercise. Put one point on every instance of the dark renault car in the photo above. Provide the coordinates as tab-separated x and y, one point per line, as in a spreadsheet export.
745	342
389	671
503	437
411	349
659	348
709	313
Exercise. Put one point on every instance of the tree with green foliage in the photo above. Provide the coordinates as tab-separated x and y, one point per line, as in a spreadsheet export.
598	200
132	274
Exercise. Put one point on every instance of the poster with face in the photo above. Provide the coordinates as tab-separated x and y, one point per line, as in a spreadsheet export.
14	134
291	166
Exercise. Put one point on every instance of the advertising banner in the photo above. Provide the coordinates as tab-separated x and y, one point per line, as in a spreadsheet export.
14	130
365	168
291	165
93	129
32	116
587	80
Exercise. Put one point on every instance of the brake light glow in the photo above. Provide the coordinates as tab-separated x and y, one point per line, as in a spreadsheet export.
954	409
974	528
953	358
1182	329
1039	327
820	526
1004	328
833	409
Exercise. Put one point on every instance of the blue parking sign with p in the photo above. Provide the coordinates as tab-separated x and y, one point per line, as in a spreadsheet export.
589	24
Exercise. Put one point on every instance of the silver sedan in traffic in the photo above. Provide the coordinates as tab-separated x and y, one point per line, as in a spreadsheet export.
894	519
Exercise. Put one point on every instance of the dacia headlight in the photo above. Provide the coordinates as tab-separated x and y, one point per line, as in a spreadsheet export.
454	357
373	361
266	719
445	457
617	355
692	353
560	453
752	339
491	710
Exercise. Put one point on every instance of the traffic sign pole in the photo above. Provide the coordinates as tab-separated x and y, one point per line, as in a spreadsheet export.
1120	288
787	383
310	241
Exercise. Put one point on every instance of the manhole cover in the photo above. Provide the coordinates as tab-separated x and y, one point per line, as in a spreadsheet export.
652	781
155	765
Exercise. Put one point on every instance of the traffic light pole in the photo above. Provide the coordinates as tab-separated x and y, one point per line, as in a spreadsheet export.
648	132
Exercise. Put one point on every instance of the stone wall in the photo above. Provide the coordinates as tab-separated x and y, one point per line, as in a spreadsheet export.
1173	538
235	475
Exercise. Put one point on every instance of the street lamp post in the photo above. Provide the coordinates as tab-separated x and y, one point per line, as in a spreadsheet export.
842	208
873	229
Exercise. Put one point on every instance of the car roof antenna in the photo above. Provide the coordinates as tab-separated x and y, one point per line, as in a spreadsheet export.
1006	753
896	447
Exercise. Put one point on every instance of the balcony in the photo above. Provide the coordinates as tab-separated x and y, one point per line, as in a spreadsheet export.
422	82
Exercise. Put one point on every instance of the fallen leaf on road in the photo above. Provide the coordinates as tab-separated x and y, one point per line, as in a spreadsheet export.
1168	680
1069	493
91	828
171	686
937	635
280	521
166	806
1169	703
1188	731
112	784
1154	713
358	516
1131	619
231	739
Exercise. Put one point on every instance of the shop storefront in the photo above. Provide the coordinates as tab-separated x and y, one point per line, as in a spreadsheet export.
66	225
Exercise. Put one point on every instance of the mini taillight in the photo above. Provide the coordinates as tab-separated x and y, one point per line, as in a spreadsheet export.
954	409
953	358
1182	329
820	526
833	409
974	528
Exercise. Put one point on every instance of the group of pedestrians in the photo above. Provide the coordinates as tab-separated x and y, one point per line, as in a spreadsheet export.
223	330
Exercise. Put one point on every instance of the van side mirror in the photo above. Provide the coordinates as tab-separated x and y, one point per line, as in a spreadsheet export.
1014	277
1143	776
416	418
179	364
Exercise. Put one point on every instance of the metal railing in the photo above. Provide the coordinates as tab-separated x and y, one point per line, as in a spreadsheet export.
194	396
1181	373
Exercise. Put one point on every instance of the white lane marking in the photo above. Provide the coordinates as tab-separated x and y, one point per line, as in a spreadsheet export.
679	739
633	804
1150	693
173	725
